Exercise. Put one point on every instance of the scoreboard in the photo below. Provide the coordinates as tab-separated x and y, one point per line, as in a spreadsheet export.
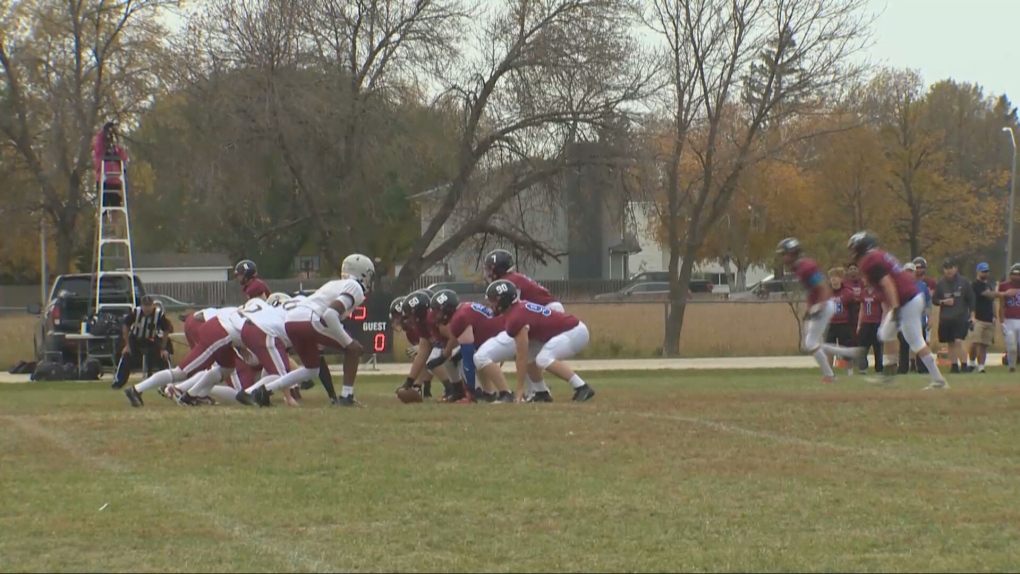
369	324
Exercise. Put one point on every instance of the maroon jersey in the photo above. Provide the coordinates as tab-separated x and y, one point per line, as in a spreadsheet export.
843	298
1012	303
410	331
877	264
484	325
529	290
931	283
256	288
432	330
811	278
871	305
542	322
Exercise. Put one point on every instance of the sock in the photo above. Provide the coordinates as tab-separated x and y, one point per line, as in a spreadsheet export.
541	387
292	378
160	379
210	378
529	385
223	393
261	383
186	385
823	362
933	368
1011	354
326	378
346	391
835	350
576	381
446	387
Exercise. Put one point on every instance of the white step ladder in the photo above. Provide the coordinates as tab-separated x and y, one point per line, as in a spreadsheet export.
115	267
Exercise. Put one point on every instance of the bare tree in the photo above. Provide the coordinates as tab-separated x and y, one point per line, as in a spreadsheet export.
739	70
64	68
550	73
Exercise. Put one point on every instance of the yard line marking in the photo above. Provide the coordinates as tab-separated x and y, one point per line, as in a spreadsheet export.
254	539
928	464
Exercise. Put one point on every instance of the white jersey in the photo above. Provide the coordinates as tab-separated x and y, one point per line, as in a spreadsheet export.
213	312
270	320
347	291
232	321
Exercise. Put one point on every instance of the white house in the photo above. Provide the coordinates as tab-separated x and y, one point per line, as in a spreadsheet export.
182	267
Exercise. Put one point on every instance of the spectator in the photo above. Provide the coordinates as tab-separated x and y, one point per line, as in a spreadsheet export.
922	269
906	363
109	157
867	327
955	297
854	282
984	317
839	332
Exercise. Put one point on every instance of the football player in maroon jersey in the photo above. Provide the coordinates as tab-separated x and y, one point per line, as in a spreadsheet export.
900	294
821	307
499	264
246	274
561	335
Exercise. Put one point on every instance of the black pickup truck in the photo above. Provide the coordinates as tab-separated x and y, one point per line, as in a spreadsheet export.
71	302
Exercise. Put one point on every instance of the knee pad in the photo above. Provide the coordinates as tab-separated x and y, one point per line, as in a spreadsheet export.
544	359
482	360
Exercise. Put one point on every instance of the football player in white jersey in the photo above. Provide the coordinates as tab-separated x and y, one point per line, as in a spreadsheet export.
317	321
215	346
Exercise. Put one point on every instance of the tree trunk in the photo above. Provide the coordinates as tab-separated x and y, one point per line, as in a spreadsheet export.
65	240
678	286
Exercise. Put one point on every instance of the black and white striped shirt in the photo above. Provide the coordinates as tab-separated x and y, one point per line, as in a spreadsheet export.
146	327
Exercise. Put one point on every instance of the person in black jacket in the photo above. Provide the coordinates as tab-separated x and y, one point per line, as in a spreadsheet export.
146	332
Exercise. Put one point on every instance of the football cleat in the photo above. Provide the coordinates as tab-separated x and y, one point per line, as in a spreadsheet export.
348	401
583	393
540	397
134	396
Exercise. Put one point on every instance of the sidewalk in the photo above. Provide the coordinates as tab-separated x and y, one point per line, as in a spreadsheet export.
795	362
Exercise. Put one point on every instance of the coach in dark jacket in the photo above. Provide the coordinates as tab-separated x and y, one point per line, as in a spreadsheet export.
146	332
955	298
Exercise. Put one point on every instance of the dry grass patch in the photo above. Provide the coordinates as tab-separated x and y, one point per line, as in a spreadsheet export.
661	472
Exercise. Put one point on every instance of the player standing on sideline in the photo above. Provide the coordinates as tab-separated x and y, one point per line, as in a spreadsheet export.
1009	314
856	284
821	307
841	326
900	293
867	327
499	264
246	274
562	336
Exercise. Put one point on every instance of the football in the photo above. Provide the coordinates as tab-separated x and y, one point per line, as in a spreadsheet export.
409	395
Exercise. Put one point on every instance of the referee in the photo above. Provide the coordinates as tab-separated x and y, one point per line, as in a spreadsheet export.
146	332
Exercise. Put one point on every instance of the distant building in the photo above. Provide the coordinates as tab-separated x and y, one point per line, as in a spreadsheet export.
182	267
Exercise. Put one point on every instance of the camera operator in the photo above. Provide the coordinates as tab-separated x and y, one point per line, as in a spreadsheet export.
146	332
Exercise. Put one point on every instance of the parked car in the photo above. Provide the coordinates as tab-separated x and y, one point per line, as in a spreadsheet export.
772	288
171	304
465	290
645	291
70	304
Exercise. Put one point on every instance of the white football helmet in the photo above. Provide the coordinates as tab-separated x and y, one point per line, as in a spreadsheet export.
359	268
277	299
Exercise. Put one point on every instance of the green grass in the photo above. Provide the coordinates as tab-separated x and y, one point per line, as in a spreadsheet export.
708	471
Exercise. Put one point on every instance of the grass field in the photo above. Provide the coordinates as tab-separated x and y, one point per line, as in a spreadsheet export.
708	471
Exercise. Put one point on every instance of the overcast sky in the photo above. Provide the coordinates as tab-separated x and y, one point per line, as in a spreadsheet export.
968	40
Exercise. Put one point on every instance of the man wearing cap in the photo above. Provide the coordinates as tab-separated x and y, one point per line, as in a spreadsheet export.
984	317
955	298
